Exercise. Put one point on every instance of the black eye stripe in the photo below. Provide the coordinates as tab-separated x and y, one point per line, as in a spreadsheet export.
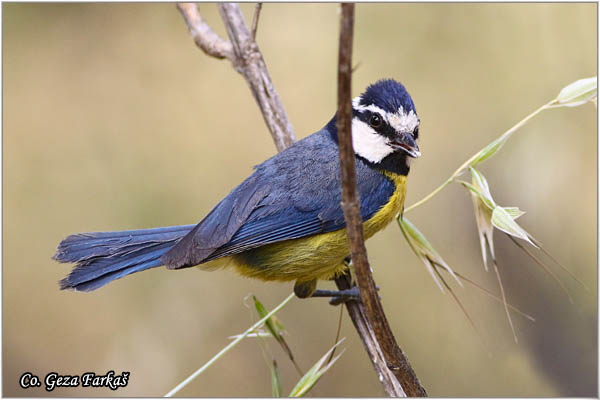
366	116
383	129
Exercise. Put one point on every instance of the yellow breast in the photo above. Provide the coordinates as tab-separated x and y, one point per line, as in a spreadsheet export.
315	257
389	211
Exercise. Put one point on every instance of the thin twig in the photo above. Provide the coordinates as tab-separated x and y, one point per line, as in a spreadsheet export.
246	58
395	359
204	37
255	19
250	63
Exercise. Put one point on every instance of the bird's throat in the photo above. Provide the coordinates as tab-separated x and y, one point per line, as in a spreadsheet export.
396	164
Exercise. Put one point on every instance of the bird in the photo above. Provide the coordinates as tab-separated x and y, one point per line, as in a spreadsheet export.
282	223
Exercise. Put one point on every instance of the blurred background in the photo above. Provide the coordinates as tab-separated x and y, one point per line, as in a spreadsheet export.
113	120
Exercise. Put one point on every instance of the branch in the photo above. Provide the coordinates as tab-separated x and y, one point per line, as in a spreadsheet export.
205	38
357	313
246	58
250	63
395	360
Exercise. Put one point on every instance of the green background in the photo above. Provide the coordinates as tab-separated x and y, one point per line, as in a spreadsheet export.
113	119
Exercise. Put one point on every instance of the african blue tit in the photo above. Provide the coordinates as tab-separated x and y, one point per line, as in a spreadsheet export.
285	221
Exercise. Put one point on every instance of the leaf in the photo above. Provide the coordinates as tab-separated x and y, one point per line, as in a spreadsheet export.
483	205
482	186
485	228
489	150
314	373
489	215
273	325
276	328
514	212
578	93
502	220
424	250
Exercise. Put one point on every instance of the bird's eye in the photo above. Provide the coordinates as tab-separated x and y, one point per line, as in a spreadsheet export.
416	133
375	121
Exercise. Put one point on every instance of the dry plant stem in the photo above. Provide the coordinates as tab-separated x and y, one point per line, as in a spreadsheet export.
395	360
512	327
224	350
543	266
467	163
246	58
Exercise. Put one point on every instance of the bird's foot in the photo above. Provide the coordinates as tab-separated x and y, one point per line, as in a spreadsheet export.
339	296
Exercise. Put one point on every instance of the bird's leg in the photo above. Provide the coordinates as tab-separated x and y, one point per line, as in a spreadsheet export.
305	289
351	292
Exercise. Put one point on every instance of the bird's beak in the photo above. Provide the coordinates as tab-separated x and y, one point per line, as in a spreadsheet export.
407	144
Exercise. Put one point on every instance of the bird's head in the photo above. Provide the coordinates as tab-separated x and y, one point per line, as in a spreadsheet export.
385	124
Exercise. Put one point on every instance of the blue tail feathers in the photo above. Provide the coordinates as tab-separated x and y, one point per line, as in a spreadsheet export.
102	257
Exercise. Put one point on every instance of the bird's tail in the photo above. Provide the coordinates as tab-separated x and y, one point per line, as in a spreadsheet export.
102	257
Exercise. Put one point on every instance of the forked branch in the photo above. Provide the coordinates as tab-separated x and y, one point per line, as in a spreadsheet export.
246	58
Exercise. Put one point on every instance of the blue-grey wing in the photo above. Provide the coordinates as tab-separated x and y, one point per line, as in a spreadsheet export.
295	194
218	227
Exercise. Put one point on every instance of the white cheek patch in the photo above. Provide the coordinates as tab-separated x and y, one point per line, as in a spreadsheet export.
403	122
369	144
